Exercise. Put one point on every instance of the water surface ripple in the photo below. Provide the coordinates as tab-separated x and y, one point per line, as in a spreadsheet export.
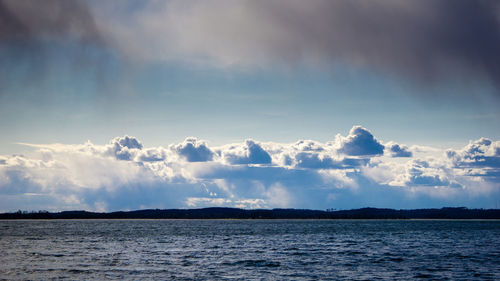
250	250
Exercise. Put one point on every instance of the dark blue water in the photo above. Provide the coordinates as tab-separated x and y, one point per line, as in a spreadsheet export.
249	249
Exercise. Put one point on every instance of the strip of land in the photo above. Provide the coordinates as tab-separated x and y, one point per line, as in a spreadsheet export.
235	213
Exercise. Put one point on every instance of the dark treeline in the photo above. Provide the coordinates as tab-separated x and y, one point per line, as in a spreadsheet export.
234	213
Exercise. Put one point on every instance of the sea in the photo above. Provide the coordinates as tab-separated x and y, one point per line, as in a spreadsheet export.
250	250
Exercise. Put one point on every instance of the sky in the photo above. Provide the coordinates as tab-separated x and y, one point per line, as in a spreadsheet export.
123	105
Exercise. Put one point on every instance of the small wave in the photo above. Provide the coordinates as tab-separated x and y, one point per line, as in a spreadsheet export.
256	263
48	255
423	275
300	254
33	238
79	271
350	253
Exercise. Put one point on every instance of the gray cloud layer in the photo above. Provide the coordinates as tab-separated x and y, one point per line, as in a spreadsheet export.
426	40
421	40
25	21
40	38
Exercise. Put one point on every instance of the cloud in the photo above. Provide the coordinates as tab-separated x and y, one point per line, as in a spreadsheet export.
26	21
220	202
124	147
308	145
426	42
421	41
278	195
480	158
152	155
420	173
38	40
194	150
311	154
124	174
479	153
359	142
396	150
417	172
315	161
248	153
324	161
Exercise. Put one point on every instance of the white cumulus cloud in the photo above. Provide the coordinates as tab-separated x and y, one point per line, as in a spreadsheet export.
347	172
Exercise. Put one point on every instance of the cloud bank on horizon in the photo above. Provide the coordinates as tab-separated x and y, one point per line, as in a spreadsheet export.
356	170
421	41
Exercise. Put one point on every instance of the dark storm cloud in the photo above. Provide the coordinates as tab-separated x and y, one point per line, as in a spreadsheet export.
39	38
426	41
422	39
27	21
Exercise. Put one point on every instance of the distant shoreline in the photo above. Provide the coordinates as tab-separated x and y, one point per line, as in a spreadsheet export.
459	213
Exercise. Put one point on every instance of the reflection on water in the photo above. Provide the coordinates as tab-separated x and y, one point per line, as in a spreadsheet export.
249	249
